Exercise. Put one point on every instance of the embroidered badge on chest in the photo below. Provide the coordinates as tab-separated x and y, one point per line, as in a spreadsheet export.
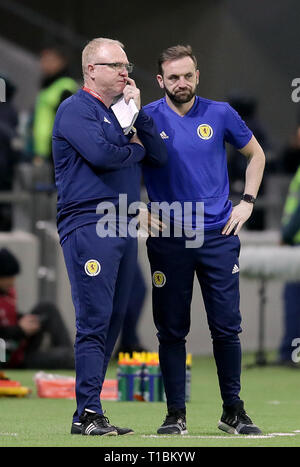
204	131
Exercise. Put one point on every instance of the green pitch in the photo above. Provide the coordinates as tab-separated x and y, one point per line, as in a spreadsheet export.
271	395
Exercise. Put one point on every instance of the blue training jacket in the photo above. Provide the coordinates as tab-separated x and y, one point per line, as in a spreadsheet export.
94	161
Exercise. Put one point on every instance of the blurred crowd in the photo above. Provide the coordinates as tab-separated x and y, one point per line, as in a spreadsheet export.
34	149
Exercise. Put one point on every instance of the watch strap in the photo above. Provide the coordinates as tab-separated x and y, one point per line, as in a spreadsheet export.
248	198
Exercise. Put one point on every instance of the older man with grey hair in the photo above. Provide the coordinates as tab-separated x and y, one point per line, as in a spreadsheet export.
95	162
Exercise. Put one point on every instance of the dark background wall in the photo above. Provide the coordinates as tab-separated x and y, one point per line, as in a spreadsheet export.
246	45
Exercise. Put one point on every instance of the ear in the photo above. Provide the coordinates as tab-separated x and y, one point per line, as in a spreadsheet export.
197	76
91	71
160	81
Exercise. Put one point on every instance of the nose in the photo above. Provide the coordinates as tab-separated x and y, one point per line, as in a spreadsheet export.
181	82
123	71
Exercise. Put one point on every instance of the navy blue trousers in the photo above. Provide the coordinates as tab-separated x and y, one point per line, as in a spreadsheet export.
101	271
291	323
129	335
173	267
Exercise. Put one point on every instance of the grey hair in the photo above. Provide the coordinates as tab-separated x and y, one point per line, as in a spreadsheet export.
92	46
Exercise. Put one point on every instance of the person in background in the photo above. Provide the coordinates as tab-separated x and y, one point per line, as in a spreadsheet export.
56	86
24	333
289	157
8	155
290	235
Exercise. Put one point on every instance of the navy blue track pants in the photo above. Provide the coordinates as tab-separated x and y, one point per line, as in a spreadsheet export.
216	265
291	324
101	271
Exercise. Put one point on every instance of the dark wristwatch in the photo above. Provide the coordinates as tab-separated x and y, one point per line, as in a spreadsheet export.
248	198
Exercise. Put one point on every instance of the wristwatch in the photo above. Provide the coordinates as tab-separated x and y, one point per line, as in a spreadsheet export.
248	198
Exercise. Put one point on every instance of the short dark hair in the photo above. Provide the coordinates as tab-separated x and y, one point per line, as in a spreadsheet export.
174	53
9	265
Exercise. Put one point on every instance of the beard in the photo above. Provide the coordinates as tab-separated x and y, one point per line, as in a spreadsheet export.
181	97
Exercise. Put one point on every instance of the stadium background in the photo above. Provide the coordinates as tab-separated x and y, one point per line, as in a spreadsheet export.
248	46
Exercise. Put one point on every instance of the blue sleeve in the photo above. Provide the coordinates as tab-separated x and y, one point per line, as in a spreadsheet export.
81	128
156	151
236	131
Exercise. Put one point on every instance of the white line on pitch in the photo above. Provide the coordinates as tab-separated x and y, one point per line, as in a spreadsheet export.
210	437
269	435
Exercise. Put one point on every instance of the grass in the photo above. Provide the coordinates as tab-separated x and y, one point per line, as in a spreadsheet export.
271	395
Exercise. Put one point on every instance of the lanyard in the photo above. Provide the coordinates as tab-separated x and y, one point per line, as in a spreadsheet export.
93	93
